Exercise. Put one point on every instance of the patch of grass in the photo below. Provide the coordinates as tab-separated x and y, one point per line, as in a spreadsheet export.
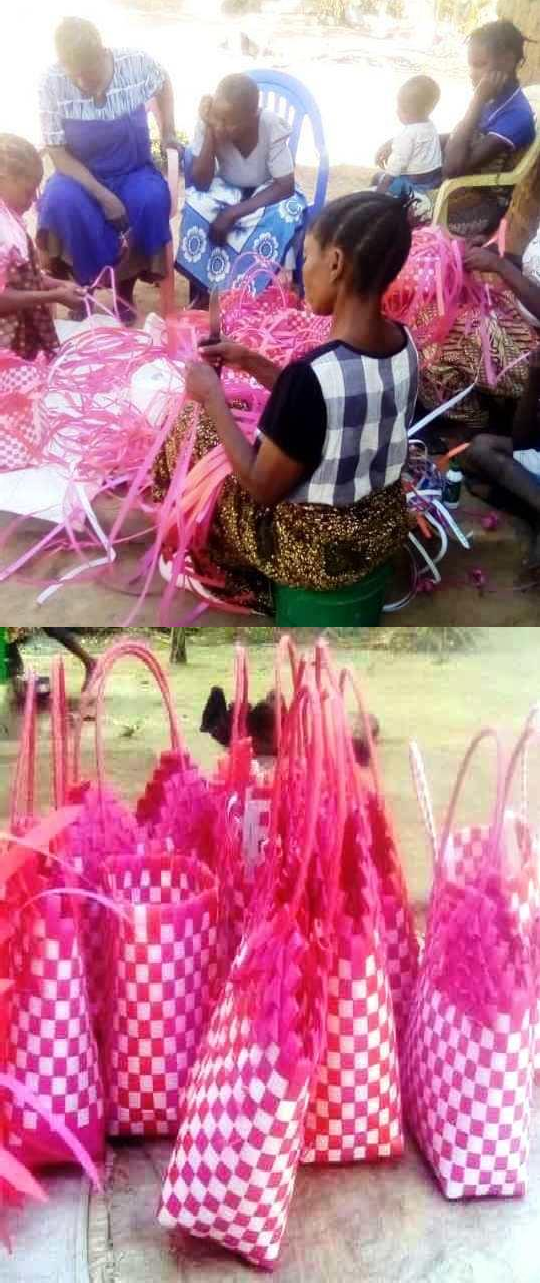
441	706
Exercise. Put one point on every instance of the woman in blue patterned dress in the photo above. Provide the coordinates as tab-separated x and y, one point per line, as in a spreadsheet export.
240	193
107	205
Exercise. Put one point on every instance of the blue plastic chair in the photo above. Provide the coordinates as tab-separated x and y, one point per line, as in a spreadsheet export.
289	99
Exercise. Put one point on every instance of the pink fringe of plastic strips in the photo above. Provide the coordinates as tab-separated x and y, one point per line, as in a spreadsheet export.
83	413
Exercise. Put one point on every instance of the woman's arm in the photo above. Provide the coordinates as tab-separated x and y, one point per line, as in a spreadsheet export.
204	162
165	102
241	358
462	155
64	292
112	207
279	189
527	292
268	474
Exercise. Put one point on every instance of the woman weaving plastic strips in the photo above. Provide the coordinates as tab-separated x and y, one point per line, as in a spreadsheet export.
317	502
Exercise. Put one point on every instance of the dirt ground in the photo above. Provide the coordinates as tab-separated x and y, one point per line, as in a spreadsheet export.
439	704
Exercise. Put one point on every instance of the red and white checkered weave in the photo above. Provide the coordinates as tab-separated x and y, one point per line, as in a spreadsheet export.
51	1047
354	1112
397	917
20	383
466	854
105	827
525	901
467	1091
232	1173
162	970
256	825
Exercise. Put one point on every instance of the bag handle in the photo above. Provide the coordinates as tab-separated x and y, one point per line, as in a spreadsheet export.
241	682
287	764
520	756
532	723
97	688
498	810
286	649
423	794
347	675
59	734
23	788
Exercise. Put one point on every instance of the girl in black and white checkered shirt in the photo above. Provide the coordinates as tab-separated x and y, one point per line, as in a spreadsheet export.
317	502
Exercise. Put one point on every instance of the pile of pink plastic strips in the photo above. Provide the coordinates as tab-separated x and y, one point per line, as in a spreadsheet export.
85	417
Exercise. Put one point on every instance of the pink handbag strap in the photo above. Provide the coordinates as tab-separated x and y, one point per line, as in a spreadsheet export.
59	734
348	676
530	736
287	763
344	760
498	807
423	794
97	689
286	649
241	692
532	723
23	787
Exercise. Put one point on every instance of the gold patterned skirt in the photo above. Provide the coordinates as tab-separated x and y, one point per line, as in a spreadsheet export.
450	367
301	545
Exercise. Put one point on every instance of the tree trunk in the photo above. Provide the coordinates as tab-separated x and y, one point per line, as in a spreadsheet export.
526	15
524	212
178	646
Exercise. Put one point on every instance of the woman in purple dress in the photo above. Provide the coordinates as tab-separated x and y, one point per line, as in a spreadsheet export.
107	205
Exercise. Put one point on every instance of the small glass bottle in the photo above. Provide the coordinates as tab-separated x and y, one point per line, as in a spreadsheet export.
453	481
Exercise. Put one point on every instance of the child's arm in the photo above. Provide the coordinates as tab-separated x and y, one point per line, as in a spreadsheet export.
525	428
383	153
399	160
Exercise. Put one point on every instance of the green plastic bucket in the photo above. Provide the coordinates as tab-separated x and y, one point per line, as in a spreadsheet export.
356	606
3	656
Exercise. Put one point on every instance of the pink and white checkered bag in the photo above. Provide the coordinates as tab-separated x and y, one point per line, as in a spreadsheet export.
50	1044
467	1065
107	826
233	1168
51	1047
529	899
354	1112
399	935
243	797
160	989
21	382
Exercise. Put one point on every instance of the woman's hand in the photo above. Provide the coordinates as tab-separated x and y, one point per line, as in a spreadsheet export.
222	225
67	293
202	383
115	212
205	110
482	260
490	86
225	353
